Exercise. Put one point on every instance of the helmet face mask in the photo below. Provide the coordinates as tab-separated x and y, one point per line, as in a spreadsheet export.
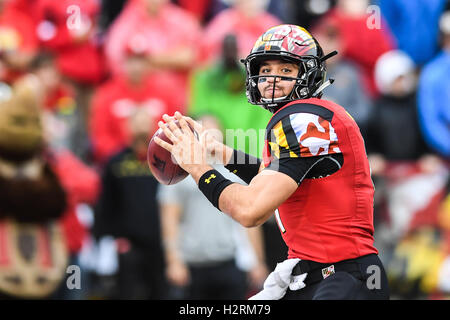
291	44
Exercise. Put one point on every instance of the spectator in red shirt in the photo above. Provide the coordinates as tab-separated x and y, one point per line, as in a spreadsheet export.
247	19
172	35
67	28
115	100
366	45
18	43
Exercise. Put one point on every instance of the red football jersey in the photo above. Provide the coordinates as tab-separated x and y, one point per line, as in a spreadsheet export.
326	219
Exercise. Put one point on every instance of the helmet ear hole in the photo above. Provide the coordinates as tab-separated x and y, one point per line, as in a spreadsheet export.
304	92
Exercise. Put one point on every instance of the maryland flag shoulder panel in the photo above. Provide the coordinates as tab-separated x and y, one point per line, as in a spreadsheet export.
303	135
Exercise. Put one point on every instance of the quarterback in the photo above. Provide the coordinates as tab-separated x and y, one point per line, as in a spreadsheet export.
314	175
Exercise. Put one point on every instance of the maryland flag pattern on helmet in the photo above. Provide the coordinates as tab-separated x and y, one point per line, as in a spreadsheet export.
288	38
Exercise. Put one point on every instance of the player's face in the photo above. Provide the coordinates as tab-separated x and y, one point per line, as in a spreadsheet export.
276	71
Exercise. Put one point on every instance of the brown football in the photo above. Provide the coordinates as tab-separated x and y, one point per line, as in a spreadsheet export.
161	163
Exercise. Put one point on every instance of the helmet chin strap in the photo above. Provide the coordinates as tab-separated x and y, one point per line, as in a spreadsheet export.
270	100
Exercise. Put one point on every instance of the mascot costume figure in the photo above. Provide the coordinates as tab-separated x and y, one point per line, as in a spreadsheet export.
33	249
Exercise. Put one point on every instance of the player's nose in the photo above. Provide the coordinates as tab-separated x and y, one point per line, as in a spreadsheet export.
273	78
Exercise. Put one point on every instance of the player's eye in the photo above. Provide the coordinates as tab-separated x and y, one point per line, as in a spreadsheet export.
264	70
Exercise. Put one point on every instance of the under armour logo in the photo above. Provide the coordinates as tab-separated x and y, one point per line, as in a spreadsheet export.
212	176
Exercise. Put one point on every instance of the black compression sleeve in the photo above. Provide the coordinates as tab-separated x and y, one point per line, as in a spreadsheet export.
244	165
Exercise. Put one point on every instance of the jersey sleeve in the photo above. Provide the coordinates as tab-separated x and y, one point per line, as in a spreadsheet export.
303	135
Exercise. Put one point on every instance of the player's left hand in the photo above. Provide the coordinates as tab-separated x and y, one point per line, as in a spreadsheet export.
188	151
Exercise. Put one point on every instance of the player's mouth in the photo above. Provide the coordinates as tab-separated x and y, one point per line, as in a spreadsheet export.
269	92
272	89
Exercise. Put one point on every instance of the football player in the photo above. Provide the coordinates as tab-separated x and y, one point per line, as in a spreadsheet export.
314	175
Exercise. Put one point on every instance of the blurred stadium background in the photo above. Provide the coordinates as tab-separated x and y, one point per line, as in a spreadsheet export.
106	71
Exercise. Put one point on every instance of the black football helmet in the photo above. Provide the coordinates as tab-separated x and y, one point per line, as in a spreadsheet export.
292	44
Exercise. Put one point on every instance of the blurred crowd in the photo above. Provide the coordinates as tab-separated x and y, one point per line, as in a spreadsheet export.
83	84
